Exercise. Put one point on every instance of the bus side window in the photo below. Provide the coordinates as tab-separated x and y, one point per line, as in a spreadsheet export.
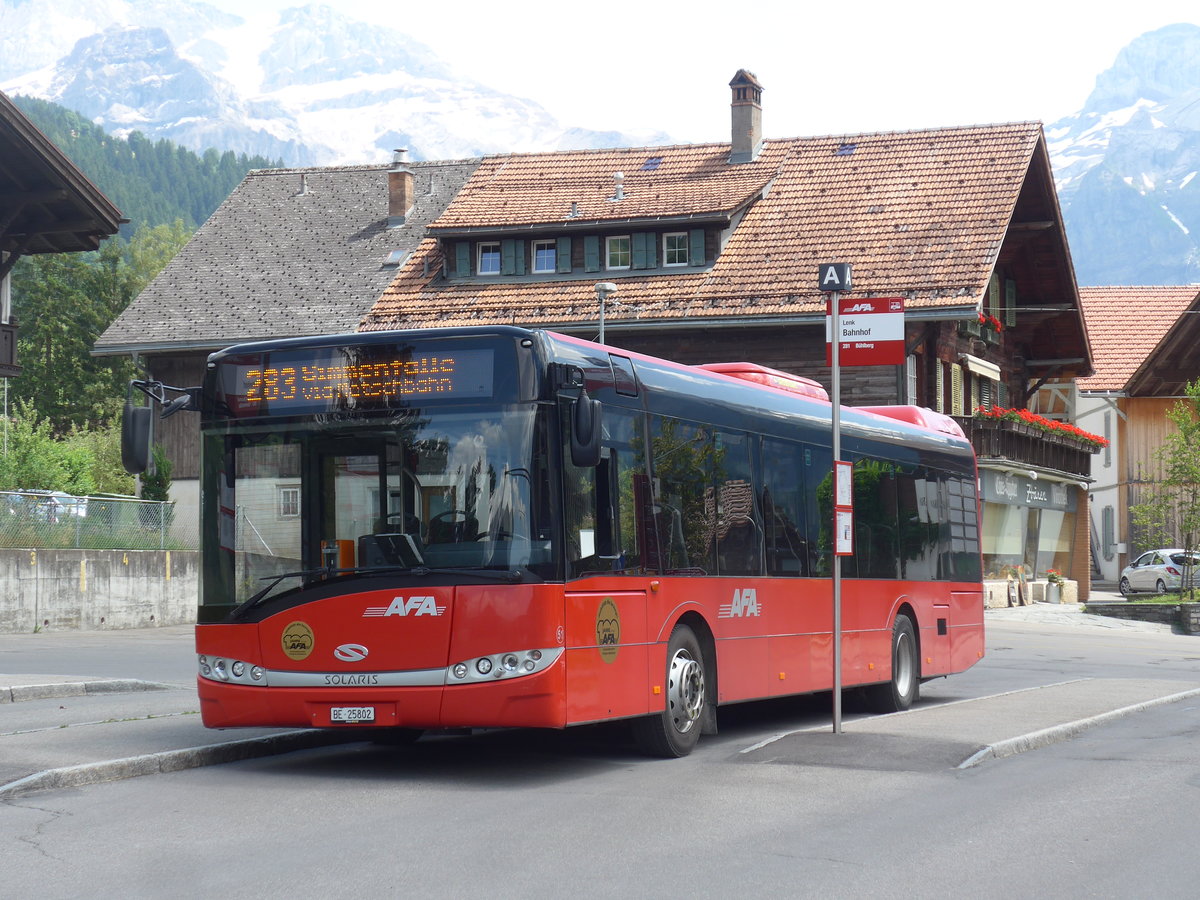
962	535
918	528
818	511
738	524
684	505
875	521
783	508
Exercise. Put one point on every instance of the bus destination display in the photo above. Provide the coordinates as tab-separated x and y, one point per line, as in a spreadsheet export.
297	385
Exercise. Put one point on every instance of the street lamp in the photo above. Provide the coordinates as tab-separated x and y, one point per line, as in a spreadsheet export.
604	290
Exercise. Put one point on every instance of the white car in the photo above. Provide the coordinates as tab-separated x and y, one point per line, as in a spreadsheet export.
1159	571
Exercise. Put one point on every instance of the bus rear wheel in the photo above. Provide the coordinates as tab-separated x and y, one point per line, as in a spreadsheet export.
674	732
902	691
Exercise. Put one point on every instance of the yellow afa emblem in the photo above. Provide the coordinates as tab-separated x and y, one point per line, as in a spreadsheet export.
297	640
608	629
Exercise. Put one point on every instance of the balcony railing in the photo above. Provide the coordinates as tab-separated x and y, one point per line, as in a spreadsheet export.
1025	445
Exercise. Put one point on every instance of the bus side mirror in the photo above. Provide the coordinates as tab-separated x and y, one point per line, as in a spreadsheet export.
137	437
586	431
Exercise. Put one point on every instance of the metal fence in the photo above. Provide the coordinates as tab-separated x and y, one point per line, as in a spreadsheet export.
54	520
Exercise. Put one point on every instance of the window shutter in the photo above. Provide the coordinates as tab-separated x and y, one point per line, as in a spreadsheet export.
957	400
639	250
645	247
1108	539
462	259
1010	303
910	379
591	253
976	393
562	255
1002	395
987	393
940	388
696	247
994	296
508	257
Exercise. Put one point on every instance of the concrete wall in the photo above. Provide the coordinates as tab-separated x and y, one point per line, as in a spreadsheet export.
90	590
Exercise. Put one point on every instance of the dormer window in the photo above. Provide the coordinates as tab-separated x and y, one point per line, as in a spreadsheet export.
545	257
488	260
676	249
617	252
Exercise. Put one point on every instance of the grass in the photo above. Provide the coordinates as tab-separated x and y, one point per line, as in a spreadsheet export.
1163	599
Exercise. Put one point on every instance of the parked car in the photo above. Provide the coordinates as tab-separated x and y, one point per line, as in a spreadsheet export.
1159	571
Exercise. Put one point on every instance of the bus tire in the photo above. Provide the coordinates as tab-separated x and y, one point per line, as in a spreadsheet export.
674	732
904	688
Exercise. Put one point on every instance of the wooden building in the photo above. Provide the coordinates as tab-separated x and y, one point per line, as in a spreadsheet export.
1147	347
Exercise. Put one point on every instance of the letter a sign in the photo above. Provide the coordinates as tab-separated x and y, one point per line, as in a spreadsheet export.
833	277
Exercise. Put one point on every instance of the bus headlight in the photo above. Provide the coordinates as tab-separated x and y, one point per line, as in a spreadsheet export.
233	671
510	664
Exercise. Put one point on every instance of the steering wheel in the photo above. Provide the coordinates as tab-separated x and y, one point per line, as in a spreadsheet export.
451	517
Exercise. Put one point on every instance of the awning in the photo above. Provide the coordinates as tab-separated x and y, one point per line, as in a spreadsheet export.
981	367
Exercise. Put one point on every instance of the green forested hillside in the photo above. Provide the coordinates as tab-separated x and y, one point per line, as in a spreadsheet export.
151	182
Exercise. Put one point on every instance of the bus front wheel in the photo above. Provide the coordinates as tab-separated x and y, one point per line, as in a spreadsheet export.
675	731
902	691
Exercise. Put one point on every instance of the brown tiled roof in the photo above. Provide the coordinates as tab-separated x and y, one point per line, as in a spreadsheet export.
1125	325
579	186
921	214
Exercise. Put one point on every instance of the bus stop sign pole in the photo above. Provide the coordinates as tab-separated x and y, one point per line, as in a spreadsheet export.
833	278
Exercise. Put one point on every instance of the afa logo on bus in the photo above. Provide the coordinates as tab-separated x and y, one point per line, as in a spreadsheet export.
411	606
744	603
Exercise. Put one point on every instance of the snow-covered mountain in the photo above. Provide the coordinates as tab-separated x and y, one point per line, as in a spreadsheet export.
1126	165
308	85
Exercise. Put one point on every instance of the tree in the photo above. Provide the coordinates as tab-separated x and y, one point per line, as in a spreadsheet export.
1170	513
63	302
34	460
156	483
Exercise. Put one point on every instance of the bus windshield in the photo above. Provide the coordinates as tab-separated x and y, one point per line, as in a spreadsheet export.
423	490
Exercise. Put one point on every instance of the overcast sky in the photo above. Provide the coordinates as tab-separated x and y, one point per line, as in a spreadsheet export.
827	68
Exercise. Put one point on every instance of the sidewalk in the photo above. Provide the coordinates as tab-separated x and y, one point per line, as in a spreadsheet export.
69	730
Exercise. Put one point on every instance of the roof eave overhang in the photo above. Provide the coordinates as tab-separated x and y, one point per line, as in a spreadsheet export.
693	322
574	225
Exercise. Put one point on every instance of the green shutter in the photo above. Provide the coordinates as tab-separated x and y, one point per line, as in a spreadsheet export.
638	247
696	247
645	254
462	259
591	253
562	255
512	257
994	296
1010	303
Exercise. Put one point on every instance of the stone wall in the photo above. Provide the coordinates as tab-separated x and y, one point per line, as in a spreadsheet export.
1184	617
90	590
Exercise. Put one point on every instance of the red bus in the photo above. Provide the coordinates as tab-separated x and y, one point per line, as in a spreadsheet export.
499	527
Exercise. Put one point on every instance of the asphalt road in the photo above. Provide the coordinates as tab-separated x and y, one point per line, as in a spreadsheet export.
776	805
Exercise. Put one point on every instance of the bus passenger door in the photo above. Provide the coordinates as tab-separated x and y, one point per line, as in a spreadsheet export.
607	656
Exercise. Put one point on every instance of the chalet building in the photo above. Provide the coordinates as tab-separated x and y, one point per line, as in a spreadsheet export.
712	251
46	206
291	252
1147	349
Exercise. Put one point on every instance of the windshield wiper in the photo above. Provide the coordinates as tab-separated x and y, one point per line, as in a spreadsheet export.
509	575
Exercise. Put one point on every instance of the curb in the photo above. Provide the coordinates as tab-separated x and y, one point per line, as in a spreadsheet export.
22	692
1058	733
172	761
